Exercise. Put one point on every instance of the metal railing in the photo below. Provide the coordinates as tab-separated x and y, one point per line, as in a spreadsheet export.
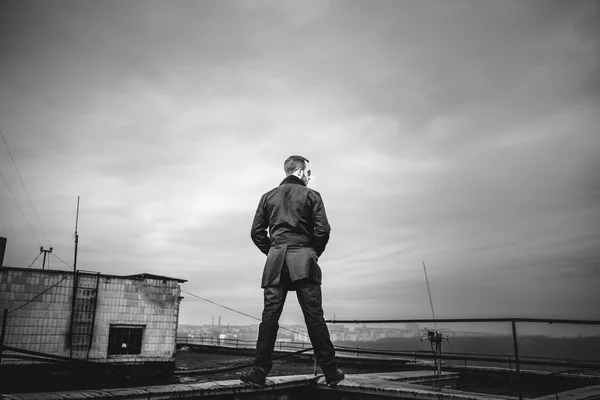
518	361
412	355
515	359
283	346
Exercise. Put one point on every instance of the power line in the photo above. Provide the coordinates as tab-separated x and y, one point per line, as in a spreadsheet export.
25	187
22	212
191	294
59	259
203	371
39	294
221	305
242	313
38	256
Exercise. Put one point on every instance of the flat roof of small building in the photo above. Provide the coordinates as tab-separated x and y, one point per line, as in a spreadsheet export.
141	276
152	276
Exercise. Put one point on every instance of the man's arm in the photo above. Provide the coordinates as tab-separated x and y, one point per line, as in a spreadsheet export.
322	228
258	233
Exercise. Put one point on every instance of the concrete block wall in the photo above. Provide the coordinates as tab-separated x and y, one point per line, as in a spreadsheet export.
43	321
39	304
153	303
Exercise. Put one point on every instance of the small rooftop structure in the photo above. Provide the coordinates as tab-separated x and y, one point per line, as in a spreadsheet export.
57	316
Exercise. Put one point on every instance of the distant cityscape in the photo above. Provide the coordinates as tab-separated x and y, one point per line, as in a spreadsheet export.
298	333
372	333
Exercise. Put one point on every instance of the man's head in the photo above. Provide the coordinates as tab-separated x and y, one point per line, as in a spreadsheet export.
299	167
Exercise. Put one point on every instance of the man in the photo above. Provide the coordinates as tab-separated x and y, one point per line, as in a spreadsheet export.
298	233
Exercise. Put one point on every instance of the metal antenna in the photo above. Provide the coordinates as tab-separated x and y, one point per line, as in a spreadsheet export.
42	250
76	236
429	291
434	336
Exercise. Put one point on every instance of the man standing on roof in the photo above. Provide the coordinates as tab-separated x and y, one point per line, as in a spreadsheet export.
295	218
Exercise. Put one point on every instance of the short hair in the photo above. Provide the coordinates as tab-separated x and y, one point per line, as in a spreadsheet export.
293	163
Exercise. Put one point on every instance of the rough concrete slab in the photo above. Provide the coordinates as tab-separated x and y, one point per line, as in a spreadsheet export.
396	388
180	391
410	376
389	384
584	393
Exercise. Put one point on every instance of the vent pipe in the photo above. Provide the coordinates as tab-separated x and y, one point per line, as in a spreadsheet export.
2	250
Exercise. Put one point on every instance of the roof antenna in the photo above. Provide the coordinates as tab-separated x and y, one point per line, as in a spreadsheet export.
435	338
77	237
430	301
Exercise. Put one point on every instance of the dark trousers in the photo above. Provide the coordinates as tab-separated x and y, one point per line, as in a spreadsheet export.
309	297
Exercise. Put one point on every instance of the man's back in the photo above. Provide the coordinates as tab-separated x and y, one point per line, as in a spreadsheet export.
295	216
298	230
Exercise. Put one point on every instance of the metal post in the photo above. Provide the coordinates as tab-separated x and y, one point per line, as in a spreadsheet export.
516	346
4	318
94	318
73	306
439	355
76	237
45	253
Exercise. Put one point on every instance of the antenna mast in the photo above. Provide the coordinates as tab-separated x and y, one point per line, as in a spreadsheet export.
429	291
434	336
77	237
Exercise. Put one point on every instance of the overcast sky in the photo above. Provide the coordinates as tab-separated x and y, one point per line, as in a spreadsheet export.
464	134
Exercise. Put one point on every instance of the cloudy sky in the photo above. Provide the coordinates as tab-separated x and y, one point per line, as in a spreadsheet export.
462	134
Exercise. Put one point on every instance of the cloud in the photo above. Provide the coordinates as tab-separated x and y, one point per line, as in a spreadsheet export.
461	134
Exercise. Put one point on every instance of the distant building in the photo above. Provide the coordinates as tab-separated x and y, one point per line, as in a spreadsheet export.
104	319
301	335
413	329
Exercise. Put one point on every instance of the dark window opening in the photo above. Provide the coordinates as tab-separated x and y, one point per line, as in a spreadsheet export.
125	339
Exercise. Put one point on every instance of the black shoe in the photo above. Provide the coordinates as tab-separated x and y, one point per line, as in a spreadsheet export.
333	378
253	377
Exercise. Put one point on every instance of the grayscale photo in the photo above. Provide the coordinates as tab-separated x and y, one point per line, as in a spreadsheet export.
286	199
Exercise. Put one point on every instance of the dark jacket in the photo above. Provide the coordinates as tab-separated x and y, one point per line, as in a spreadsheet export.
298	231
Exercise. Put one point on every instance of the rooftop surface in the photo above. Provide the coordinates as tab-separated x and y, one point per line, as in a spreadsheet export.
217	378
402	384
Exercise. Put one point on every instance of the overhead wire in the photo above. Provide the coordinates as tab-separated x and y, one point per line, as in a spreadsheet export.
26	191
221	305
229	368
39	294
59	259
38	256
241	313
21	209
